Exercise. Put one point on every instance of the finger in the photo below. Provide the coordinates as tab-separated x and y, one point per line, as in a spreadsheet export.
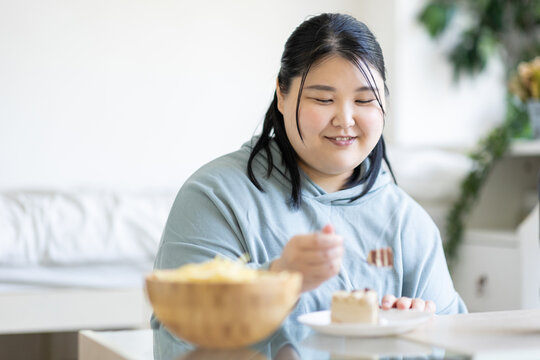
320	272
317	257
319	241
336	266
430	306
328	229
418	304
323	241
334	253
403	303
388	301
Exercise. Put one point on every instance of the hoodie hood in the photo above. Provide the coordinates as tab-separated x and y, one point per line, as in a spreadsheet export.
311	190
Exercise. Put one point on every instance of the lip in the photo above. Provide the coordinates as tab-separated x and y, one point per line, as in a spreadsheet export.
341	140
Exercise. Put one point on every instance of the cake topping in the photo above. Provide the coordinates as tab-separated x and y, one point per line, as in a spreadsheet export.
369	296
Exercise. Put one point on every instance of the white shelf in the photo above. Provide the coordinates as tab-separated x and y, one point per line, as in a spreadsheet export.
491	237
525	148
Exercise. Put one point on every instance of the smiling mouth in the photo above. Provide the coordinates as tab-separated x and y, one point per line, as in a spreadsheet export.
342	140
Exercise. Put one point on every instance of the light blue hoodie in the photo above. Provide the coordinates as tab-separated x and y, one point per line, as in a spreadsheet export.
219	211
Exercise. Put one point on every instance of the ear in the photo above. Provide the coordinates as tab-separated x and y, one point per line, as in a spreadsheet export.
280	97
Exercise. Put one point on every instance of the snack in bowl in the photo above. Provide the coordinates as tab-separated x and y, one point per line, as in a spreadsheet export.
357	306
222	304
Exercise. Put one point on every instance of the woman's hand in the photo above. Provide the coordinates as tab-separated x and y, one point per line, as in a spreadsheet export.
316	256
405	303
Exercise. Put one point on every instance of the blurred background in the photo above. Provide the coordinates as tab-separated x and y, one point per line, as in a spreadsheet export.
141	93
107	106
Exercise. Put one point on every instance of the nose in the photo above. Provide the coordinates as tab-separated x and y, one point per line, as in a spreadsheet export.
344	117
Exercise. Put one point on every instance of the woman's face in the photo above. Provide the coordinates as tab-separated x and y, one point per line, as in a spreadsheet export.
339	117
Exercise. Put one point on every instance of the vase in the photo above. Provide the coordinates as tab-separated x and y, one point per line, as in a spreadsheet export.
533	108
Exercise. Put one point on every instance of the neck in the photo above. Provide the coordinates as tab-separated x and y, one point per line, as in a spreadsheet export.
329	183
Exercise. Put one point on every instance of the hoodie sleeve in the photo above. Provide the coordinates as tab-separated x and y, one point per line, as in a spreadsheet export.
425	271
202	224
198	228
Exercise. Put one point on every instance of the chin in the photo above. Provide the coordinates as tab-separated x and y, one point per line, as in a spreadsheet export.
345	166
341	170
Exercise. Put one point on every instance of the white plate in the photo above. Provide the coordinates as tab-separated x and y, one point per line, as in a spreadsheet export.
391	322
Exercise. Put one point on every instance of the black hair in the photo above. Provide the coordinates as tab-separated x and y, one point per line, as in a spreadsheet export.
313	40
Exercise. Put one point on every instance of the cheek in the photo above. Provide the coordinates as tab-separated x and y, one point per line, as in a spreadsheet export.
372	120
312	120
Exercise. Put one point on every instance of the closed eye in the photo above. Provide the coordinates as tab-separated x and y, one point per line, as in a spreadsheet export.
364	101
323	101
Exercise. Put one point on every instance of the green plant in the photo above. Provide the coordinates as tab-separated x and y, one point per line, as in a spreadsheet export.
490	149
494	26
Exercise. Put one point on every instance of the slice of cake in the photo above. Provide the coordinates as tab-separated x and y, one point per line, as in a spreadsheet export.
357	306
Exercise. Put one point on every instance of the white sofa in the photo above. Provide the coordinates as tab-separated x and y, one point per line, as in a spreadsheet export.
73	260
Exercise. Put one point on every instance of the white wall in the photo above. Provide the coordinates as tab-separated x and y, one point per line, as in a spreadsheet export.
430	108
135	93
127	93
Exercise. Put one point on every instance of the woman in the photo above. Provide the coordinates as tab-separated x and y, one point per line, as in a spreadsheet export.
310	193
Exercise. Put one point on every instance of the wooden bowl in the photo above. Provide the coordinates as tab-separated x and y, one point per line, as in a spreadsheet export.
222	354
224	315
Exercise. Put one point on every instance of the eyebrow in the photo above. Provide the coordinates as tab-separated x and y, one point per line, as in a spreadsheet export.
330	88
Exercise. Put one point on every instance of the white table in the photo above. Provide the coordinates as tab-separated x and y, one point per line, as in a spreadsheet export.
490	335
115	345
487	335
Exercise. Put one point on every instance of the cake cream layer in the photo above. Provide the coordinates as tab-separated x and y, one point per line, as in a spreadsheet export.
355	307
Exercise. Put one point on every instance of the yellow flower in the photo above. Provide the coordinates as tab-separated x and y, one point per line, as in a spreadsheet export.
526	82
